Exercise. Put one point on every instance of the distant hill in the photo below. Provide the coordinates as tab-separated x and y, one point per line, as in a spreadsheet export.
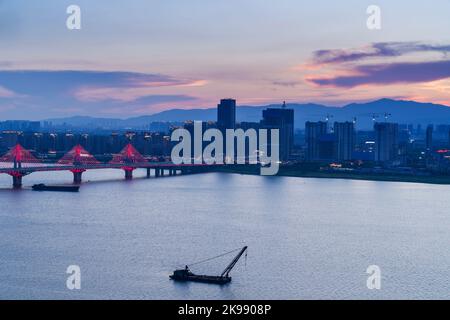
407	112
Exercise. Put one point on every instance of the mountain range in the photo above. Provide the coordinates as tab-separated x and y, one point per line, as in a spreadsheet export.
401	111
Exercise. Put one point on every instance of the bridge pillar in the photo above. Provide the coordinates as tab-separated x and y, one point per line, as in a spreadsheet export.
171	172
77	176
149	173
17	181
157	172
128	173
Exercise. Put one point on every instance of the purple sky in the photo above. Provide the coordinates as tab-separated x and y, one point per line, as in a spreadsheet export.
146	56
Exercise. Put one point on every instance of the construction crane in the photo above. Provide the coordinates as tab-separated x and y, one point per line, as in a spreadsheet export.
376	115
233	263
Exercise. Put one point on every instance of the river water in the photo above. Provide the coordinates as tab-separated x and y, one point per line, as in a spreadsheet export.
307	238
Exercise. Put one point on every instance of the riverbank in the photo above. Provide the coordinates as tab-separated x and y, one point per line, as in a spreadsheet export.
296	171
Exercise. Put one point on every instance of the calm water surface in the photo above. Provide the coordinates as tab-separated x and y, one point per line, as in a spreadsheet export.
307	238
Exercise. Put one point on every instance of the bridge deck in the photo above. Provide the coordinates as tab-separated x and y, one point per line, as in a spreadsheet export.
56	167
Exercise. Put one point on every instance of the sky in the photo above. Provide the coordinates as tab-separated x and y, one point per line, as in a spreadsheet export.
140	57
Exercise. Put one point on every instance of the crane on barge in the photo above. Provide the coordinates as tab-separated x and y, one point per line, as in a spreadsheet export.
186	274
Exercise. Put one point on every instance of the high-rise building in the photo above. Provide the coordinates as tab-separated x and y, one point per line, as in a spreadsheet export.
386	141
226	114
314	131
344	133
429	137
283	120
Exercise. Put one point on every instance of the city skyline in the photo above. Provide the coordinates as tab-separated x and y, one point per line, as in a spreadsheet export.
156	56
388	148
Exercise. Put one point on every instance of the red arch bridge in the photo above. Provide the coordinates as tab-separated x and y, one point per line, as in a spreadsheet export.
19	162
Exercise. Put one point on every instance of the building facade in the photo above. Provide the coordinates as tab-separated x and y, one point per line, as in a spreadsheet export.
344	133
314	132
226	114
282	119
386	141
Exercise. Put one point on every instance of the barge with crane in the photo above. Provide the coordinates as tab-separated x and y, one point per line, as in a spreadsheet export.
224	278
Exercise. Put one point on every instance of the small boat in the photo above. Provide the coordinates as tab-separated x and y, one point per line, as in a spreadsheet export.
43	187
186	274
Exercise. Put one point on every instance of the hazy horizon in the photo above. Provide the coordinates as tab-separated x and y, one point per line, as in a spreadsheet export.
213	108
